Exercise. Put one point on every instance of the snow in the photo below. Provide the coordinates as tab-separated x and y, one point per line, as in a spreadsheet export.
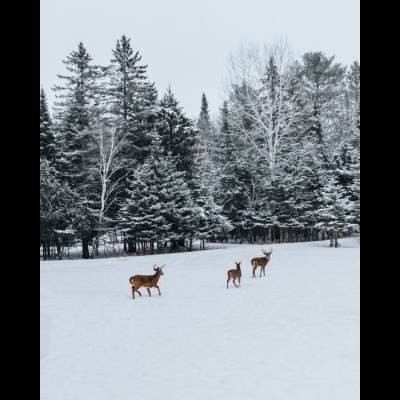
291	335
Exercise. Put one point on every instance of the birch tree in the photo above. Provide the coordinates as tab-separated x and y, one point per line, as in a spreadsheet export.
108	140
266	107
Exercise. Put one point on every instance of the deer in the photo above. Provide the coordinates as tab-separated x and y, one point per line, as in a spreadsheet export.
147	281
261	262
234	274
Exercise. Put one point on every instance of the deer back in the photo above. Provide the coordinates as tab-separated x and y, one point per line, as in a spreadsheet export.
262	261
146	280
234	273
259	261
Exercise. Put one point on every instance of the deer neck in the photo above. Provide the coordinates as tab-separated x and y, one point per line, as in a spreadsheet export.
157	276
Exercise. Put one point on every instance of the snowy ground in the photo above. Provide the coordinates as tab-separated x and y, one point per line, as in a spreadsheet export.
291	335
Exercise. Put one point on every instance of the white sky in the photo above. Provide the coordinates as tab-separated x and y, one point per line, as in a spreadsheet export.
291	335
186	43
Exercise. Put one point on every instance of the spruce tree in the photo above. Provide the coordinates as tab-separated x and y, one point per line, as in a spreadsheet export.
234	195
354	84
204	125
73	111
77	104
47	140
337	213
322	80
178	134
62	216
133	98
159	205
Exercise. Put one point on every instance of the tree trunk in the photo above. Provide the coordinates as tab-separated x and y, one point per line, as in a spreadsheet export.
336	239
85	248
59	249
45	251
125	243
131	247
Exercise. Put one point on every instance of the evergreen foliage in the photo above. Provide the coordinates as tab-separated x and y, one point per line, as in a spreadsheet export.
133	98
47	140
177	134
281	162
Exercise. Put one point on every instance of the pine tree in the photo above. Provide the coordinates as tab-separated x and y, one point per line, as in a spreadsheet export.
78	103
212	222
62	216
133	98
178	134
354	84
337	213
204	125
159	205
233	195
47	140
322	80
73	112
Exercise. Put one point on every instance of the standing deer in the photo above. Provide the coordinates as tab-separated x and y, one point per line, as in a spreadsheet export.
147	281
261	261
234	274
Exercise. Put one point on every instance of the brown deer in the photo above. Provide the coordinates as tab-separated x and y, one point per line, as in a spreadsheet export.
234	274
261	262
147	281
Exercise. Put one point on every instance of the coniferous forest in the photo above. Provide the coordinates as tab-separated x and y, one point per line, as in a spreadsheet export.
122	166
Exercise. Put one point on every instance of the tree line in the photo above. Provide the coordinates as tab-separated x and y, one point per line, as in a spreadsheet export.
280	162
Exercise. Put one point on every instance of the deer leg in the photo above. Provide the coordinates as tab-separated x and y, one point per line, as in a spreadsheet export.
158	289
229	278
261	269
135	290
234	279
148	290
239	281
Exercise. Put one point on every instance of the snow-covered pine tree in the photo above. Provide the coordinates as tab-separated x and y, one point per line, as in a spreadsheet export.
204	128
74	105
322	79
337	212
206	147
354	88
47	140
77	103
159	206
354	83
178	134
62	216
53	204
212	222
133	98
233	192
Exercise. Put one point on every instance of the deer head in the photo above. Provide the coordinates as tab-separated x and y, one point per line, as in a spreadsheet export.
238	264
267	254
159	269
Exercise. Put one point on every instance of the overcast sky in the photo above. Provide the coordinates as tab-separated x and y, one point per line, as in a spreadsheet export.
186	43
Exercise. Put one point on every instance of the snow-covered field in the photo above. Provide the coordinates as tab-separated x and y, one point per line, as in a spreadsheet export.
291	335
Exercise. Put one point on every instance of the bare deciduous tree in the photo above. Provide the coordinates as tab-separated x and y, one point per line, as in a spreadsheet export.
108	139
266	103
